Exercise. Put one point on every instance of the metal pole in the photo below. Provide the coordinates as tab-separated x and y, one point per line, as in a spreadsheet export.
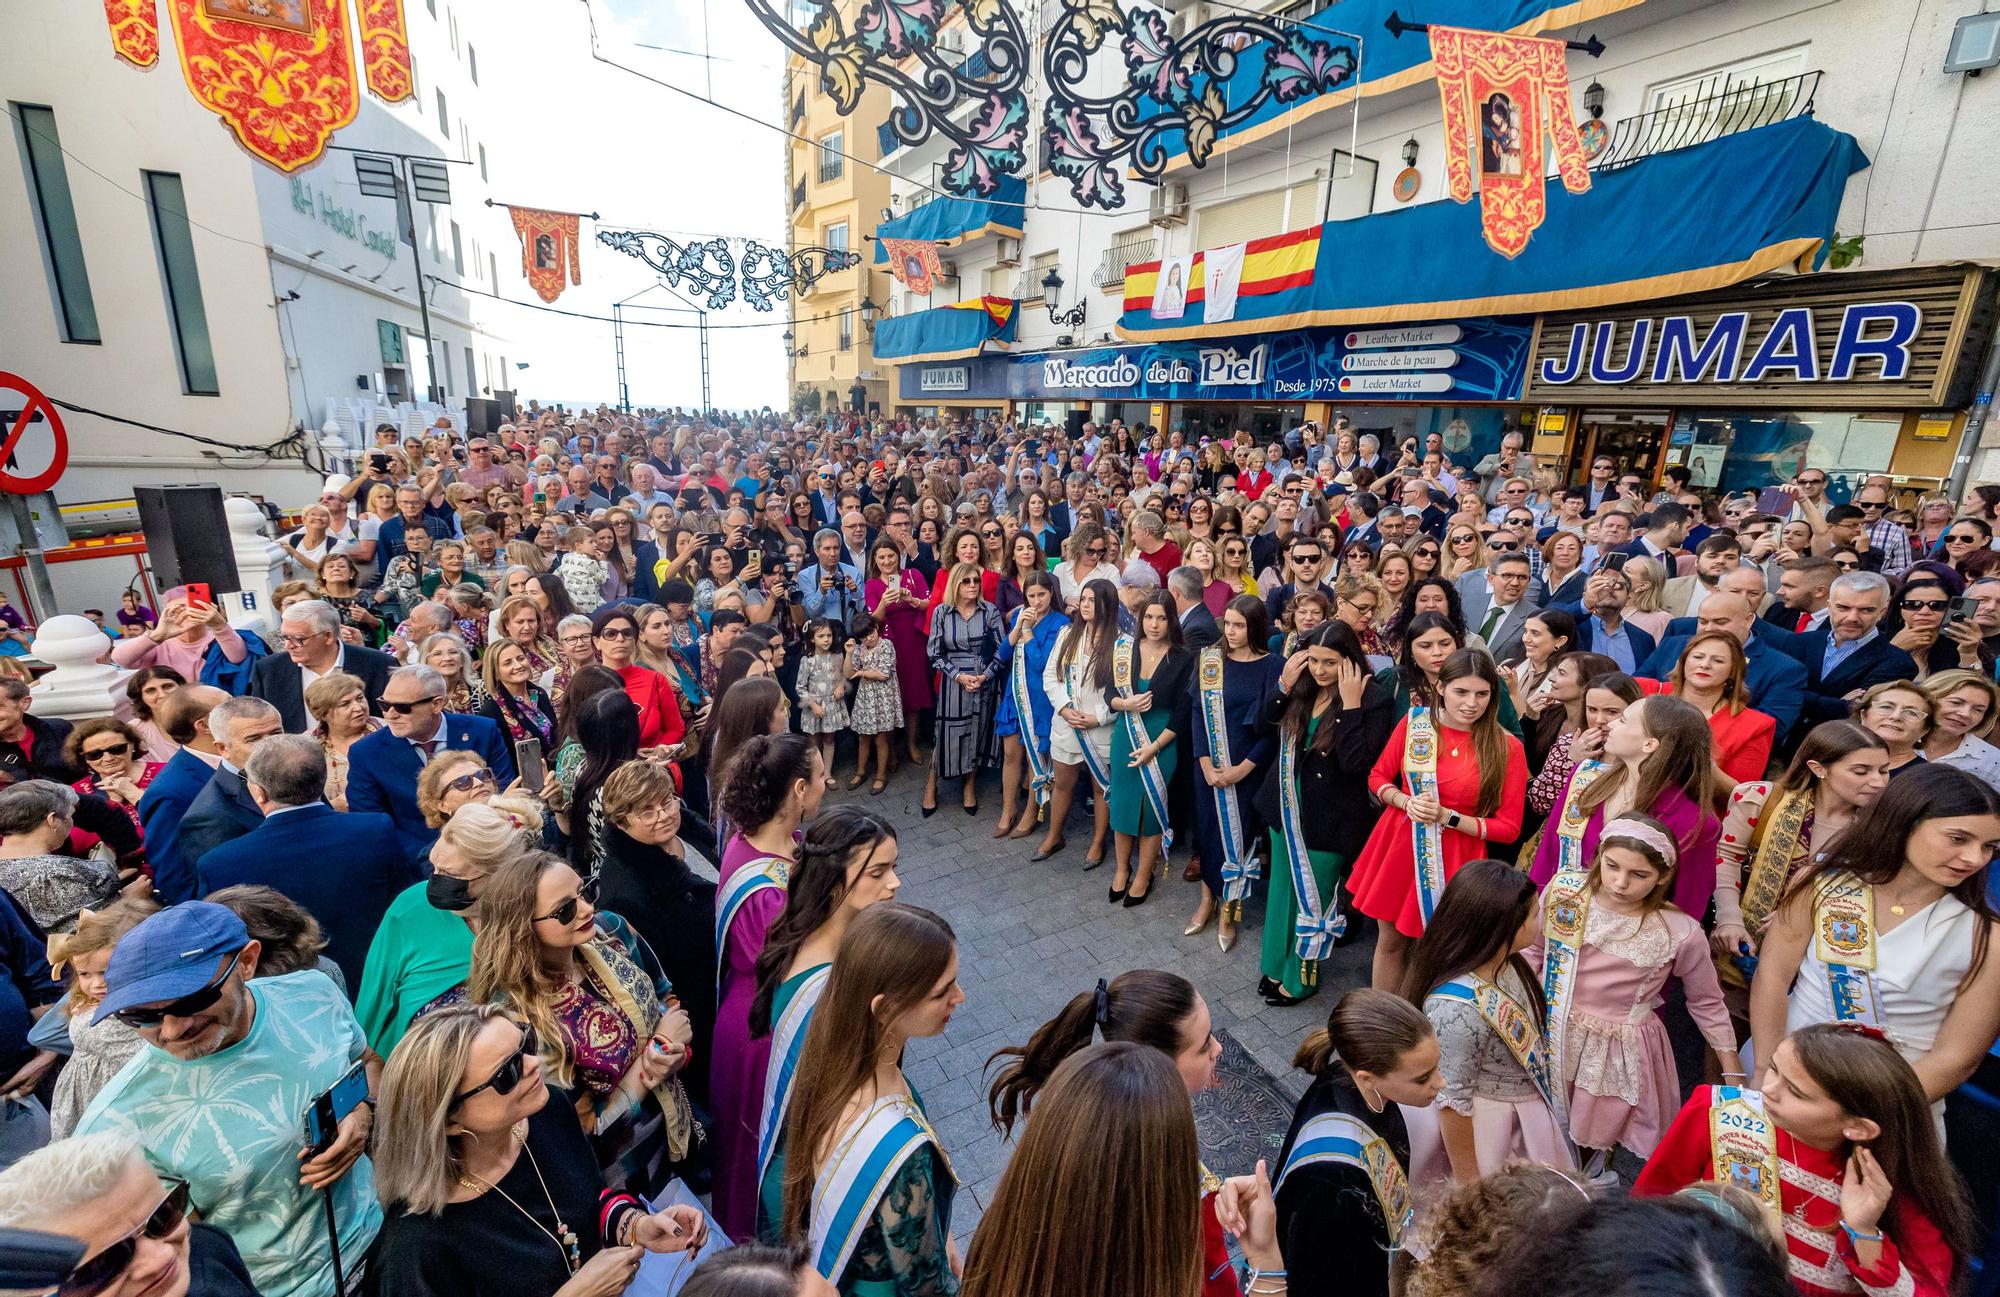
618	348
435	394
701	319
42	592
1975	421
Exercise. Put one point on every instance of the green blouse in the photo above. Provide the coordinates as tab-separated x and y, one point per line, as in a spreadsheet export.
419	953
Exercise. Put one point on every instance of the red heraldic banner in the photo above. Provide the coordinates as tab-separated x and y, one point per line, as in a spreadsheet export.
135	31
385	50
1498	90
914	262
280	73
548	249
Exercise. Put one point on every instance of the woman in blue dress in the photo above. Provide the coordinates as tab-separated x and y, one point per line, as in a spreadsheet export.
1234	681
1023	656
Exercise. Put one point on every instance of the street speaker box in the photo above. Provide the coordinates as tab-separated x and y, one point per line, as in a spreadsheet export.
482	417
506	402
187	536
1073	421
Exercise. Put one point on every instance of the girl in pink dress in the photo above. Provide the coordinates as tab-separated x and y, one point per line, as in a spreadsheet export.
1619	938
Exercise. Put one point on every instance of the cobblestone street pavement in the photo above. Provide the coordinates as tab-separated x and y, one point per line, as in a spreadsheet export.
1033	935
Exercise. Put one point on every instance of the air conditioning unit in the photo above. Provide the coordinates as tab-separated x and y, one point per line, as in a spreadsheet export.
1010	251
949	269
952	42
1186	19
1169	204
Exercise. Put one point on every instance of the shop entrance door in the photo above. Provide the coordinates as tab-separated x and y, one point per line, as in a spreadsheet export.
1635	439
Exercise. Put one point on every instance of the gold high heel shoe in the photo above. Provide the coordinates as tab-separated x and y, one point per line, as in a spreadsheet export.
1226	939
1199	925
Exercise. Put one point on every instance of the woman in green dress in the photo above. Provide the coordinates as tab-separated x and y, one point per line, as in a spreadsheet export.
846	863
868	1187
1152	694
1332	720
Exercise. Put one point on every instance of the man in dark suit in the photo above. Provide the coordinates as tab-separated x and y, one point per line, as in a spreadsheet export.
183	716
347	891
1777	683
1600	621
382	768
311	632
825	498
1848	654
224	809
1198	628
1064	512
1310	565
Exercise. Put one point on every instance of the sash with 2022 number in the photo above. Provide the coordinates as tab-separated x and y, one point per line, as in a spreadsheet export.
1518	1030
1150	778
1844	940
1320	920
1574	819
1565	913
1041	771
1099	771
1420	763
788	1042
1336	1137
1239	867
1743	1146
865	1159
755	876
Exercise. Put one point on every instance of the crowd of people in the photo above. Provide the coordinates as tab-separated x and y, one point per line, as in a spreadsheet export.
486	927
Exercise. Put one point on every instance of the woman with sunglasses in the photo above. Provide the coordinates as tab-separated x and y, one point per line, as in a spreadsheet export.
1464	551
1933	641
1233	563
1424	557
114	754
1086	558
137	1234
611	1032
492	1189
614	631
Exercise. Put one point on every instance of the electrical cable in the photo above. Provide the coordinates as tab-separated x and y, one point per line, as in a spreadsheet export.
652	324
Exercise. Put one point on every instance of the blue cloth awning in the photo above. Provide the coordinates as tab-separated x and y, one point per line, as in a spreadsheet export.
1702	217
947	221
948	332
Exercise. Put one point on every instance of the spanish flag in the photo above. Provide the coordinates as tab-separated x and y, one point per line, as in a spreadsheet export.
998	309
1270	265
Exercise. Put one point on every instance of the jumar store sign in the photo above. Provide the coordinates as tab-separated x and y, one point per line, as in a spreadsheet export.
1895	339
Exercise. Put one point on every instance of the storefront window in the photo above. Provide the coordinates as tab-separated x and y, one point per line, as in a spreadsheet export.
1136	414
1632	438
1763	448
1036	413
1221	419
1470	432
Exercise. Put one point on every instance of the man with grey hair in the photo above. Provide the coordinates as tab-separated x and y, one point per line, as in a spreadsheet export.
1065	512
99	1190
310	630
347	892
1198	628
1149	538
829	588
225	810
382	767
431	617
1847	654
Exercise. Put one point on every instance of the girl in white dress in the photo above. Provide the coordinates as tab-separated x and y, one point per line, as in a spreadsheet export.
1904	890
1078	683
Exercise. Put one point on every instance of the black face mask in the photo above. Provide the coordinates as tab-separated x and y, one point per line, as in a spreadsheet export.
447	893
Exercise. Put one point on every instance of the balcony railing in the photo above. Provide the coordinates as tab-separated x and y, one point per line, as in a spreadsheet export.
829	169
1120	257
799	109
1717	107
799	194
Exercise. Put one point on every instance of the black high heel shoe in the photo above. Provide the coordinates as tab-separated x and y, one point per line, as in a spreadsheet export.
1132	902
1117	894
928	811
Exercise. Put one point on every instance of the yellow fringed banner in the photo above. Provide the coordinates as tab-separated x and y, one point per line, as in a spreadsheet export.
548	249
279	73
385	50
1501	95
135	31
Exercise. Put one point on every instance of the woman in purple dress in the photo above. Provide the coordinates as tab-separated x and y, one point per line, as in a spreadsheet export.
898	596
770	785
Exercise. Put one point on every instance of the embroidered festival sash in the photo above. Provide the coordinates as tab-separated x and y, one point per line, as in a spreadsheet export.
1844	940
634	996
870	1152
1335	1137
1239	867
1099	772
1774	855
1041	771
752	878
1565	912
1574	819
1420	756
1743	1145
1150	778
1320	919
1517	1030
788	1041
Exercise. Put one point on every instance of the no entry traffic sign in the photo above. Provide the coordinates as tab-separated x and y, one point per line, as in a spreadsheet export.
16	413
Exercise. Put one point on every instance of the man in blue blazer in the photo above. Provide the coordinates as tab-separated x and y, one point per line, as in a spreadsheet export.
382	768
183	716
224	809
1777	683
1847	654
311	631
347	889
1600	621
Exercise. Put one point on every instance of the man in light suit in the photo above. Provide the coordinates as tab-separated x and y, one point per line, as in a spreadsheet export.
311	633
225	811
383	767
348	894
1714	558
1498	603
183	716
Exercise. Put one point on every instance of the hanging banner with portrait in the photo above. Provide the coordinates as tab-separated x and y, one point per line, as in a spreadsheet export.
135	31
279	73
1502	94
385	50
548	249
914	263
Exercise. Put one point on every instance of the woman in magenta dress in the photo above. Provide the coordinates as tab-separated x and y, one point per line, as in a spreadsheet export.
1482	784
1657	760
900	599
771	785
115	755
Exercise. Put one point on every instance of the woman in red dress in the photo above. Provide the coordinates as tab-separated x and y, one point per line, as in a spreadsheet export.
115	756
1482	782
1710	674
898	596
615	631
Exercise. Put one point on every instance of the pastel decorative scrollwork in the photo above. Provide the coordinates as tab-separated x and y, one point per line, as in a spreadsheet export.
704	268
